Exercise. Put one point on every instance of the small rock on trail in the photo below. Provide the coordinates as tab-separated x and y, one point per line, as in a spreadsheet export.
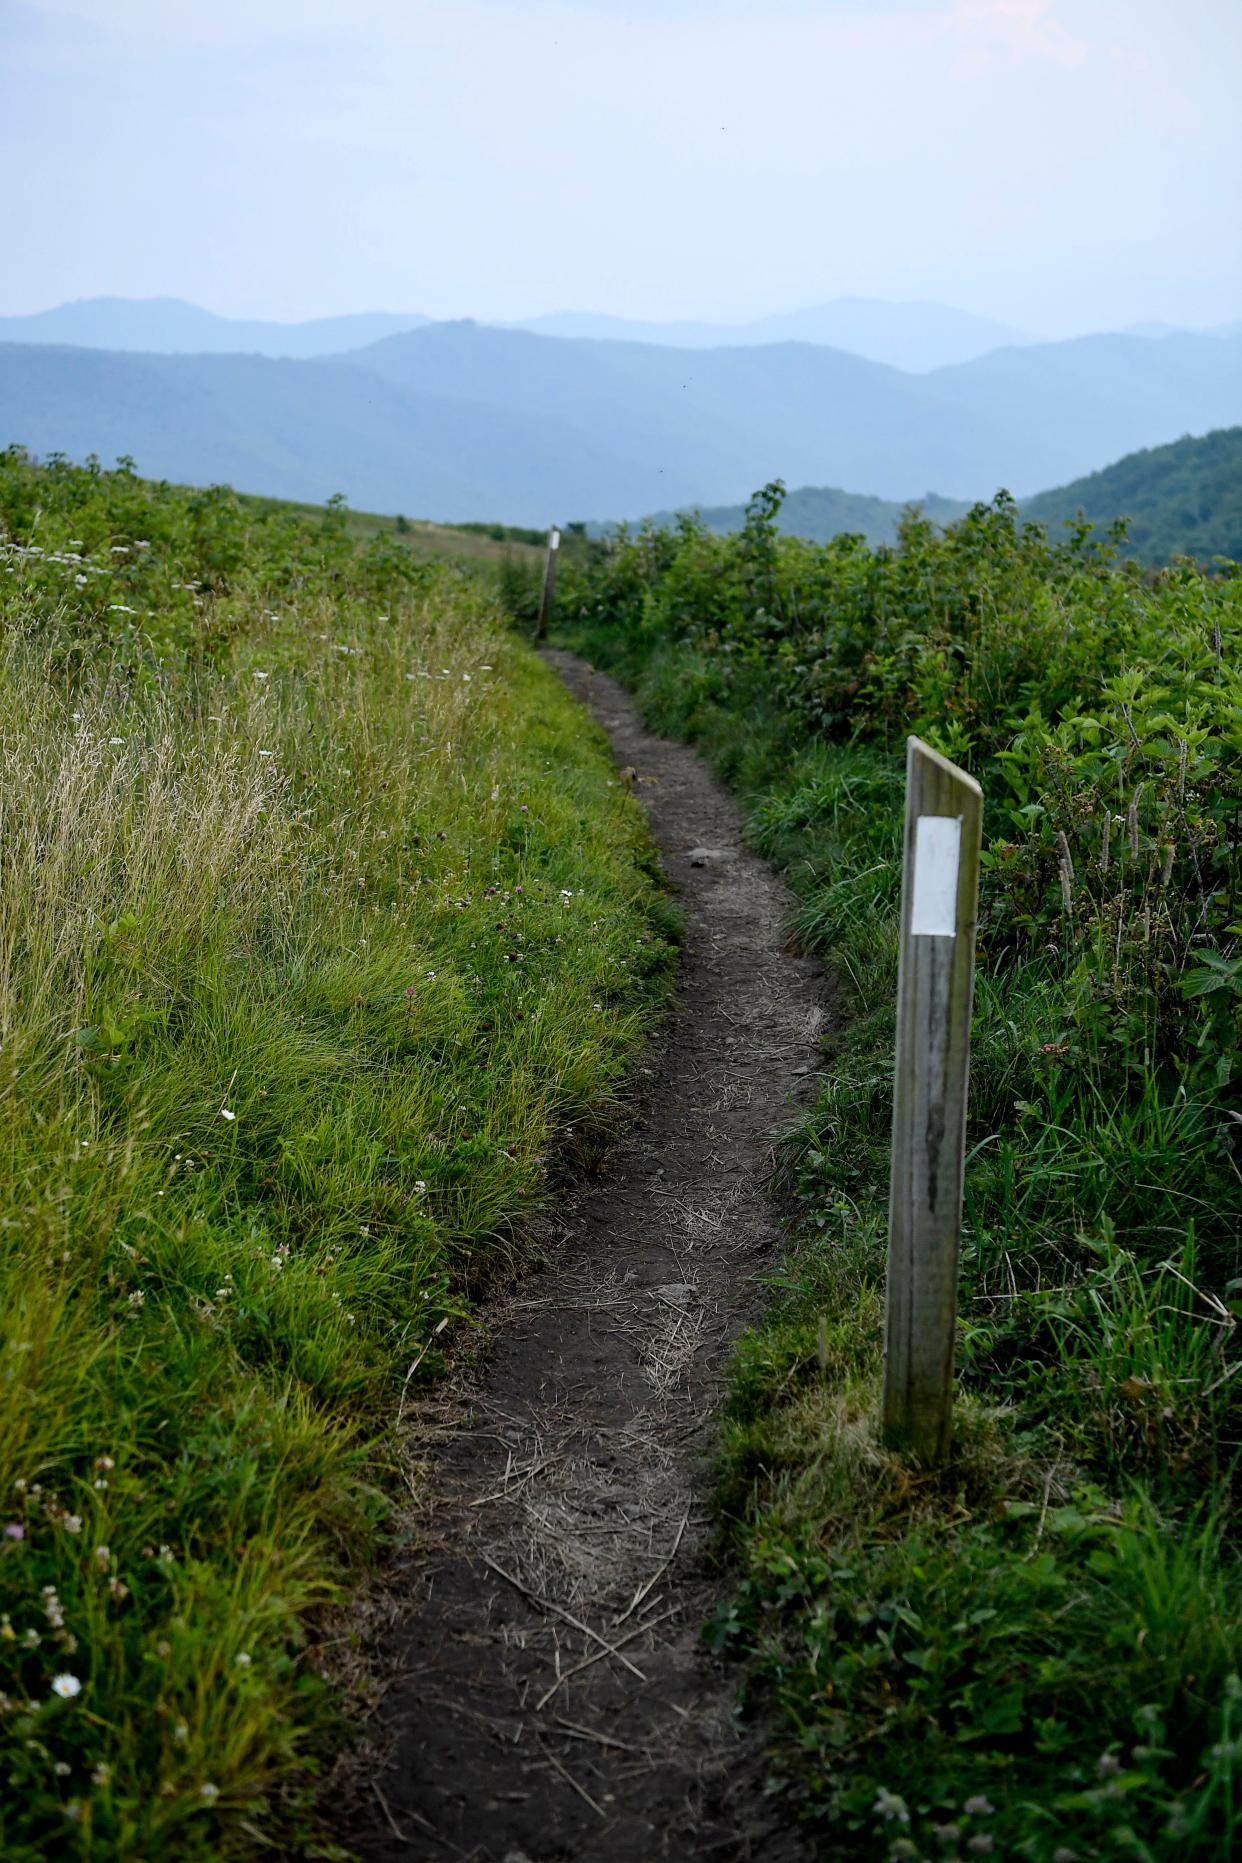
554	1697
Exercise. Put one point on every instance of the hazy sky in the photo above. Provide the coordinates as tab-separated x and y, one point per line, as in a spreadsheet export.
1061	164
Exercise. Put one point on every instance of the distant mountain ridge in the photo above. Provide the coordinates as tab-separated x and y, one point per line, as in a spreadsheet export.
170	326
463	421
915	336
911	336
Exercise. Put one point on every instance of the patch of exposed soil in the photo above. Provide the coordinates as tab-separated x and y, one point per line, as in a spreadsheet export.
554	1698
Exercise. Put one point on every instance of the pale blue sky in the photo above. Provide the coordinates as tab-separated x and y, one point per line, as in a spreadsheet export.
1061	164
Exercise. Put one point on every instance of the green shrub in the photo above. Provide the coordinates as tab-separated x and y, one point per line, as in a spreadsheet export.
1051	1628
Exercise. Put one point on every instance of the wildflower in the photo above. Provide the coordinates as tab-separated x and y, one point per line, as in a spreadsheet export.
419	1186
242	1659
72	1523
14	1531
181	1732
62	1769
1063	1854
209	1792
979	1807
889	1805
267	753
226	1114
103	1557
117	1591
1107	1765
982	1845
66	1686
137	1298
102	1774
116	740
261	675
104	1461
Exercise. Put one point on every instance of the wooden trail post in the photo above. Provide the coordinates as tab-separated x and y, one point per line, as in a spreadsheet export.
549	583
939	910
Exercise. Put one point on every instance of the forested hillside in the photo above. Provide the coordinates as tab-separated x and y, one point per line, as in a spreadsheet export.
1178	500
820	512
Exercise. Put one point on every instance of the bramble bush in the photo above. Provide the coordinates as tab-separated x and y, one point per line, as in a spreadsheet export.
1035	1653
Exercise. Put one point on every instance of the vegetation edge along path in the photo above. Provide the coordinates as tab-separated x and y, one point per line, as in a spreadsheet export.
554	1694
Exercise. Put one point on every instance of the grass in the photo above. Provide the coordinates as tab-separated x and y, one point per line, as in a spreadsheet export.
1035	1652
325	937
482	547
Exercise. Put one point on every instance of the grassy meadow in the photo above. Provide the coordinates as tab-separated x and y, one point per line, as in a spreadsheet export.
325	936
1037	1652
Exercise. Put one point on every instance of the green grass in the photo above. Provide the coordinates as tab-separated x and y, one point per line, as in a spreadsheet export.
1034	1653
326	937
484	548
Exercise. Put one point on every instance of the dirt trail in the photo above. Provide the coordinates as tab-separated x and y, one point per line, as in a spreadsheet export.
555	1699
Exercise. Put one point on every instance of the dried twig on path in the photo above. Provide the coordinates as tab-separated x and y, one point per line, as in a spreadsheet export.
569	1779
652	1582
547	1604
589	1661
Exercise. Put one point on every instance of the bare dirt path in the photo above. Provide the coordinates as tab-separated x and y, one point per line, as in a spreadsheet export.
555	1699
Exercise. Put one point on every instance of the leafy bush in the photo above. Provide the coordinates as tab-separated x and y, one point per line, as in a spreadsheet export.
1051	1627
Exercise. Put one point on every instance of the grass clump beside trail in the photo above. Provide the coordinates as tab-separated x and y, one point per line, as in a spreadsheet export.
1036	1653
323	927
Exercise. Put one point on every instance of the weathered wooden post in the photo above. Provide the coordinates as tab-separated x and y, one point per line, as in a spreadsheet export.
549	583
939	910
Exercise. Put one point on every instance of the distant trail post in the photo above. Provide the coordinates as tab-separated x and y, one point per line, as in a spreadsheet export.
939	911
549	584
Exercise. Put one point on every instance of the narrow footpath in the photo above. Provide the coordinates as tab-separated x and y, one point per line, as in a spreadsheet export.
554	1697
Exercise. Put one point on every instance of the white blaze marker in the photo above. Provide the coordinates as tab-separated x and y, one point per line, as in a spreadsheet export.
548	592
937	856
